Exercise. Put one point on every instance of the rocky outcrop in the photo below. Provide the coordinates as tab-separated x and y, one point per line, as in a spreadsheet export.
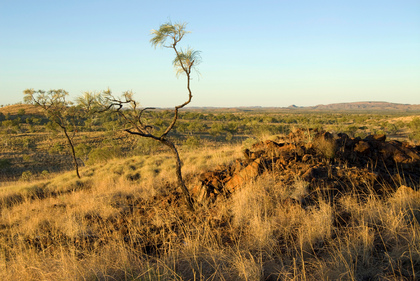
333	162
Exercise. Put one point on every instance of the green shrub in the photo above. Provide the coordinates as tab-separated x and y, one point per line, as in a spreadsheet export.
52	127
414	136
351	130
45	174
56	148
216	129
82	151
26	158
246	144
229	136
26	176
9	126
415	124
192	142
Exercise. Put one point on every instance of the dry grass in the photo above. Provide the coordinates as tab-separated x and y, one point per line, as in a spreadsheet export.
14	109
125	221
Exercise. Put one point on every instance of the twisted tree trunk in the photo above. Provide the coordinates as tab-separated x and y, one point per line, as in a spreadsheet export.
180	180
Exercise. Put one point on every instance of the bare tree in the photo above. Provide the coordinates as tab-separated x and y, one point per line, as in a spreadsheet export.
167	36
58	110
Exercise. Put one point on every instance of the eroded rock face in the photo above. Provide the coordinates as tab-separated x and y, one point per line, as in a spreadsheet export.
246	174
335	162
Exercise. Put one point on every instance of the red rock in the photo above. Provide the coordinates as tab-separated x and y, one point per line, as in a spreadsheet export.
362	147
250	172
380	137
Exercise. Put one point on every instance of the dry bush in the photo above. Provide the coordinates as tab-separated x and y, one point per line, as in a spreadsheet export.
324	146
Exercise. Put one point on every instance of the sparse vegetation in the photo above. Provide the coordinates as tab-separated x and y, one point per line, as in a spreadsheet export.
126	221
279	194
49	151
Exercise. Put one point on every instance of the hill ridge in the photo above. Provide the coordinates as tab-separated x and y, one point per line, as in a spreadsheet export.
346	106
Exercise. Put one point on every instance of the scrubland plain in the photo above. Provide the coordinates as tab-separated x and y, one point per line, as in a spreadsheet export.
126	220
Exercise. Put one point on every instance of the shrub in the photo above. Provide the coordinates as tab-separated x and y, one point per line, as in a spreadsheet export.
326	147
192	142
9	126
216	129
28	143
52	127
229	136
391	129
351	130
26	158
248	143
56	148
415	124
82	151
26	176
144	146
45	174
414	136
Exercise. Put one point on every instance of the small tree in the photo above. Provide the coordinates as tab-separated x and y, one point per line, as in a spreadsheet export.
168	36
88	104
60	112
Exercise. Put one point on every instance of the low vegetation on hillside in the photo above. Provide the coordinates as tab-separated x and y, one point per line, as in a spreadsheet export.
295	204
31	144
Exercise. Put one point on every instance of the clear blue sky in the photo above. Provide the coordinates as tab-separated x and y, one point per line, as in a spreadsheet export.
254	53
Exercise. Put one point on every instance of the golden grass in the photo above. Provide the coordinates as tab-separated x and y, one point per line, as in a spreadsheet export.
14	109
124	221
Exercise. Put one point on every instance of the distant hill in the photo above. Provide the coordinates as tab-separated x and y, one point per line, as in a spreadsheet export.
363	106
14	109
344	106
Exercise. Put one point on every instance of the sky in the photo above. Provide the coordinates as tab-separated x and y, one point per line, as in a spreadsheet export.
254	53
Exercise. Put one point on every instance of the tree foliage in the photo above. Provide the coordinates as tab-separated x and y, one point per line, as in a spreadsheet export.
59	111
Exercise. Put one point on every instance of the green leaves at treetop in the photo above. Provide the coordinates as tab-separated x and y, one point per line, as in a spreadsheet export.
168	30
52	98
89	101
185	60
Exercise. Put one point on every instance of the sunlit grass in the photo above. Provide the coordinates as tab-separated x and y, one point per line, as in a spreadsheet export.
123	221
